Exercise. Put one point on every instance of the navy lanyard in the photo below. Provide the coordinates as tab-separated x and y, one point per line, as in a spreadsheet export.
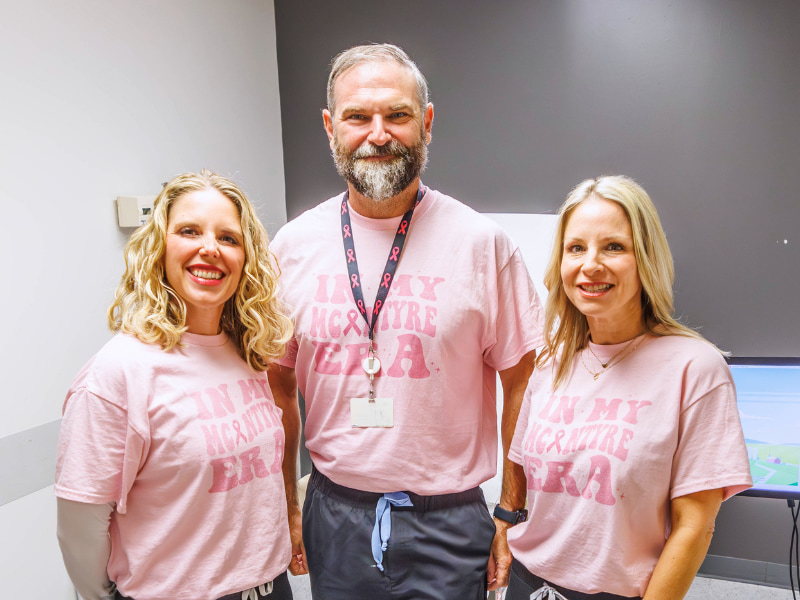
391	262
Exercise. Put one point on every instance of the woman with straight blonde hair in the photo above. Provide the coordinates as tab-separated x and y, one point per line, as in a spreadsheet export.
628	438
169	474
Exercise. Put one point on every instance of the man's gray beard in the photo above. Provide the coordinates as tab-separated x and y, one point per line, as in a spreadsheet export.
381	180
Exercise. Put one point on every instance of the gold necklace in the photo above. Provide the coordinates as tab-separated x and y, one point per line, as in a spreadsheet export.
605	364
629	348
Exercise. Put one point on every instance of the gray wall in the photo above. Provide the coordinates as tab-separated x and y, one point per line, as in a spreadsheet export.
697	99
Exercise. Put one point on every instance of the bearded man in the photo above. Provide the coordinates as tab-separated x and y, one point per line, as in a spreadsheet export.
406	305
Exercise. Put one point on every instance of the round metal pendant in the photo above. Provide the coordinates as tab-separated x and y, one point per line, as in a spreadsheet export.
371	365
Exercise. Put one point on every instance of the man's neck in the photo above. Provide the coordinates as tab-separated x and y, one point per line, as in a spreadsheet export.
391	207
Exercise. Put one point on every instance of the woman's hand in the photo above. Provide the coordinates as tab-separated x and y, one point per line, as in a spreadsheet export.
298	564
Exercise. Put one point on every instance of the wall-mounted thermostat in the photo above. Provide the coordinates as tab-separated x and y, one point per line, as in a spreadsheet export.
134	211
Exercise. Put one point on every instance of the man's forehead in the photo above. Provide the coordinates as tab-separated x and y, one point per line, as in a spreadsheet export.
385	76
380	65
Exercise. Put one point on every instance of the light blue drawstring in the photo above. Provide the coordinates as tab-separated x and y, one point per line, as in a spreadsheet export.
383	523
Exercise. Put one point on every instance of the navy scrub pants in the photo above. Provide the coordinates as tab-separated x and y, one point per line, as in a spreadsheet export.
438	549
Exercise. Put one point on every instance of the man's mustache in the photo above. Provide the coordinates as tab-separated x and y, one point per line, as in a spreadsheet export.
393	148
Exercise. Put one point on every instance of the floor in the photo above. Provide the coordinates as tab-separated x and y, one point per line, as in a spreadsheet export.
705	588
300	587
702	589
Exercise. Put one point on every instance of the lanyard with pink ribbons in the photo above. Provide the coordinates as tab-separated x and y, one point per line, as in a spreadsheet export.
371	364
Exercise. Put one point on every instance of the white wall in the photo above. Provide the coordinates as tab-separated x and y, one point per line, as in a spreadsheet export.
30	563
534	235
102	99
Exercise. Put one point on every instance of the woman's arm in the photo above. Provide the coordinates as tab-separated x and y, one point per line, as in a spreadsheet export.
283	383
86	547
693	518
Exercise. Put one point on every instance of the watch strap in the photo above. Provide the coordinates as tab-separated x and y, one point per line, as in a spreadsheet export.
510	516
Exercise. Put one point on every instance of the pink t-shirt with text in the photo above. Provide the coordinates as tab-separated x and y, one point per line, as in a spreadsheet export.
461	307
603	458
189	445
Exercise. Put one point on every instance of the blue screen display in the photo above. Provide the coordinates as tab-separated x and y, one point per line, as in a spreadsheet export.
768	396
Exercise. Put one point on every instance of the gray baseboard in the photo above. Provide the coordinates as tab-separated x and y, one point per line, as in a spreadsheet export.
745	571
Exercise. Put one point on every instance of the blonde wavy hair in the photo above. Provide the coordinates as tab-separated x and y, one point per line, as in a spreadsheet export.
145	305
566	328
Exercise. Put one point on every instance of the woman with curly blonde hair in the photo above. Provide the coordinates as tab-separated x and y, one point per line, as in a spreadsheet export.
147	307
169	476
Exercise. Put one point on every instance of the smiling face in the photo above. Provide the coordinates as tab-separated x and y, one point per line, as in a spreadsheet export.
599	272
379	133
204	256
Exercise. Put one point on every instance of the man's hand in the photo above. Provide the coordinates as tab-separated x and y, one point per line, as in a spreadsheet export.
512	495
500	558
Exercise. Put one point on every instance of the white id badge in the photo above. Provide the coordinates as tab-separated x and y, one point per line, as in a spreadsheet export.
378	413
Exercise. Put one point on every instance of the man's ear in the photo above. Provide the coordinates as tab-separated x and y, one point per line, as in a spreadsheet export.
428	121
327	122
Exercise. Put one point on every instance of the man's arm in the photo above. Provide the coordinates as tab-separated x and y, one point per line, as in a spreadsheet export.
512	495
283	383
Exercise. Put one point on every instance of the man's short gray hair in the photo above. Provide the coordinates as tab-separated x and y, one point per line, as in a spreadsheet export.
344	61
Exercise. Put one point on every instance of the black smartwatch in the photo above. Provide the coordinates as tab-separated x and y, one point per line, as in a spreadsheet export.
510	516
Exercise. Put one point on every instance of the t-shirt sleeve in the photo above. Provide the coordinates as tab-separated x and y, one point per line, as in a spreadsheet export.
711	451
99	453
520	318
515	450
289	358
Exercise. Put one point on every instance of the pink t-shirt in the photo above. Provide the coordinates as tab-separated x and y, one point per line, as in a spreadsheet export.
189	445
603	458
461	307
